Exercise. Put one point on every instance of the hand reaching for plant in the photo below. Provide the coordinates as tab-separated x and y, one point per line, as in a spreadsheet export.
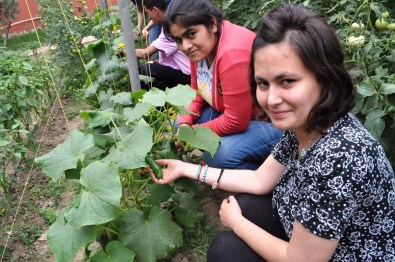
173	170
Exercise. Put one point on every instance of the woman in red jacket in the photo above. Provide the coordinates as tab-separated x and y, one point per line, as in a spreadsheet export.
219	52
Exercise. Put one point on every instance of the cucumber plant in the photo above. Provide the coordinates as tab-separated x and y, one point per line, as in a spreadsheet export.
119	206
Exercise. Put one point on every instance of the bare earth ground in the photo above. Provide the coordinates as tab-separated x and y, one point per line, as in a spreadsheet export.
29	217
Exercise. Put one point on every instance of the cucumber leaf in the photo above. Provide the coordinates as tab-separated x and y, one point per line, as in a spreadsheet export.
66	155
188	210
155	97
200	137
159	194
374	123
100	198
115	252
65	240
180	95
131	151
152	238
133	114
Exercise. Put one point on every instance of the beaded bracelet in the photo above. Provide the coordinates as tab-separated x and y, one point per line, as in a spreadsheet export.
204	174
202	163
198	172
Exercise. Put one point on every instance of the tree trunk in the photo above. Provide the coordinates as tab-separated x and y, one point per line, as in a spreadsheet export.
6	34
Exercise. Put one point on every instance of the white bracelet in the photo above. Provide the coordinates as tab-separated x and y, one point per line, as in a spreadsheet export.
204	174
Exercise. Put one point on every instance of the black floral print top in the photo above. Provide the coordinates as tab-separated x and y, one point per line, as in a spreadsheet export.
344	188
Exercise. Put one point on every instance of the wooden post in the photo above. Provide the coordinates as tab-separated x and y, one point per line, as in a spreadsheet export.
127	28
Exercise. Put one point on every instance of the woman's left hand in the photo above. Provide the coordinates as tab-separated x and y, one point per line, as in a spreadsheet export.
230	212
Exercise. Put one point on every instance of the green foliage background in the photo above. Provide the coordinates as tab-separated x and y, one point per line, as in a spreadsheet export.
372	64
24	97
130	213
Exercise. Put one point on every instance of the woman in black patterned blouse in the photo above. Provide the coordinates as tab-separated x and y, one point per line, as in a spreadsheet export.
327	191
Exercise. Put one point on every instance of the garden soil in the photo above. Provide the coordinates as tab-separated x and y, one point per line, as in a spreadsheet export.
28	241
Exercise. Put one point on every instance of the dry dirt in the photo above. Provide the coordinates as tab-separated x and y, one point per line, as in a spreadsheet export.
28	217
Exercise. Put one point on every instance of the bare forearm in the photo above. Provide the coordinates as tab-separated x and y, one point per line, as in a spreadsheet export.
149	25
246	181
141	53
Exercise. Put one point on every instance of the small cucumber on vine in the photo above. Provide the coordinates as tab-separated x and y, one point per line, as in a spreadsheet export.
154	166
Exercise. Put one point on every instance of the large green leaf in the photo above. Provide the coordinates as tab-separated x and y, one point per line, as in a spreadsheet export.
188	210
110	66
189	185
365	89
23	80
65	240
100	198
180	95
387	89
133	114
151	238
122	98
199	137
131	151
374	123
92	46
155	97
119	133
370	102
115	252
104	97
66	156
359	100
159	194
100	118
4	142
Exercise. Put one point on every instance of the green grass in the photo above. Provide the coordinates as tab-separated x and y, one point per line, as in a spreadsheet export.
24	41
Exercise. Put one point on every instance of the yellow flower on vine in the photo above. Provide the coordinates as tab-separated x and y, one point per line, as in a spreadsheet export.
121	45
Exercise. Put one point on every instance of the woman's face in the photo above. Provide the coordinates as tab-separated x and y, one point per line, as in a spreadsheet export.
197	41
286	89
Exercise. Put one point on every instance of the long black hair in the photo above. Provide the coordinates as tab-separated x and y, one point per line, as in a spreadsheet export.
160	4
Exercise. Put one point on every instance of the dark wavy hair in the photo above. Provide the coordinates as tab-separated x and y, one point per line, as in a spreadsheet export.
191	12
150	4
319	48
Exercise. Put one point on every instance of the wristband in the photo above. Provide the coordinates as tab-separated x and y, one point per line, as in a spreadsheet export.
198	172
216	184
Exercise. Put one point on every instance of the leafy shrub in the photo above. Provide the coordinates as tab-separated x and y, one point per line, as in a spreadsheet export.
64	28
24	96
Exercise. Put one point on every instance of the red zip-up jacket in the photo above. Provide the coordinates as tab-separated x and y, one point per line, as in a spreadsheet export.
231	86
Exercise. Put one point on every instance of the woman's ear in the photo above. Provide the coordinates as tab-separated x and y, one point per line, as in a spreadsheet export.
214	25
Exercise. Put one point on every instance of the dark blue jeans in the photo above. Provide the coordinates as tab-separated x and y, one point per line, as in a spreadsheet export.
165	76
246	150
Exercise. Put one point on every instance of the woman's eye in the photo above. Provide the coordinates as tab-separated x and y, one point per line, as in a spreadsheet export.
191	34
262	85
177	40
287	81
